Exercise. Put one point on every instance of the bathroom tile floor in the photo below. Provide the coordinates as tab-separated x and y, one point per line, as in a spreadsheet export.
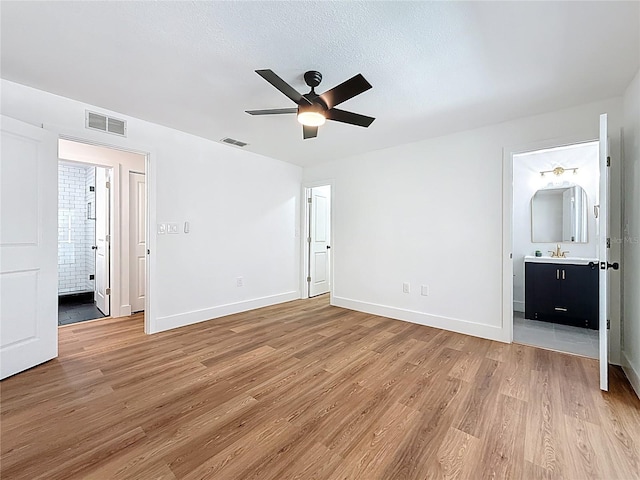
554	336
77	312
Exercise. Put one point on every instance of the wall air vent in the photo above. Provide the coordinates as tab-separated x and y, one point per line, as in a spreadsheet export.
232	141
97	121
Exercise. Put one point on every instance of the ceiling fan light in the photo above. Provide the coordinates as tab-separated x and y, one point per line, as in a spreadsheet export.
311	115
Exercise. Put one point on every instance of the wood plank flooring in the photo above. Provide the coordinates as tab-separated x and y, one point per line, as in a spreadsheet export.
304	390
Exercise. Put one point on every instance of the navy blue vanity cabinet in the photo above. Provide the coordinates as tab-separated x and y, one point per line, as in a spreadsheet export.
562	293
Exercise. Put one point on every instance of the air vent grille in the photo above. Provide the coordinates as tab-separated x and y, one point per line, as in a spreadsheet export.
97	121
119	127
232	141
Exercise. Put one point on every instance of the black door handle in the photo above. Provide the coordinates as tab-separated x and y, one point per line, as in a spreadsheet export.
328	247
94	247
605	265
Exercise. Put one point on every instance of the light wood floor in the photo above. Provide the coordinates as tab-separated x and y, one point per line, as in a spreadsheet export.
304	390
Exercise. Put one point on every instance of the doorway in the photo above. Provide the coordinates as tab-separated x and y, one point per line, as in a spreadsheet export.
318	258
116	211
554	193
83	253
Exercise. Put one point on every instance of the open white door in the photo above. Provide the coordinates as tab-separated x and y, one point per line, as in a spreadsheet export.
28	247
319	236
603	253
137	239
103	290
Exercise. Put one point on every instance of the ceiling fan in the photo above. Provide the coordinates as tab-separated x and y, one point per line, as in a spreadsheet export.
313	109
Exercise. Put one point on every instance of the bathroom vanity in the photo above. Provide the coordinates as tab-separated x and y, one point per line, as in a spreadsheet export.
562	290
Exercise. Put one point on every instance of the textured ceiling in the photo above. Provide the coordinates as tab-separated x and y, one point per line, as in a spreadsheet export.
435	67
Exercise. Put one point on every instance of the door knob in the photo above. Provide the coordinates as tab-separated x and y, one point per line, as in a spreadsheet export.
605	265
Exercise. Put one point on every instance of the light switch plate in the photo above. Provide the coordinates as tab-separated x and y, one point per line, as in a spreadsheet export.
162	228
172	228
424	290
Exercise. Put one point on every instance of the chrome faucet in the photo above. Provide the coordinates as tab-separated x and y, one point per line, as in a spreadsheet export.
558	252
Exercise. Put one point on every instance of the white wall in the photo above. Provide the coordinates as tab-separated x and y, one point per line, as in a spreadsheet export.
244	211
527	180
431	213
630	238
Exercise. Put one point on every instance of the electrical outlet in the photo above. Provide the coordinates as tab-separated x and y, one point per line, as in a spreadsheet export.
239	282
424	290
162	228
406	287
172	228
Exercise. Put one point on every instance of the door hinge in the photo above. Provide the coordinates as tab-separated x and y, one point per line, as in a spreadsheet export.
309	279
309	200
608	243
107	184
107	291
608	324
608	161
107	238
308	239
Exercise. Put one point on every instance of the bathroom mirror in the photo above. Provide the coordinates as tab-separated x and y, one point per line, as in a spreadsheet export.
559	215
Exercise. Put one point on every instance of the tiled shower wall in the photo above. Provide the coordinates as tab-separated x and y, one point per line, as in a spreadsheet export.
76	232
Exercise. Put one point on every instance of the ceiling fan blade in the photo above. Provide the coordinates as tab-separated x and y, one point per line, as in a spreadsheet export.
272	111
309	132
346	90
283	86
349	117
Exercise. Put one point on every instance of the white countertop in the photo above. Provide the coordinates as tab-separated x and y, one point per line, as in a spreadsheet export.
561	260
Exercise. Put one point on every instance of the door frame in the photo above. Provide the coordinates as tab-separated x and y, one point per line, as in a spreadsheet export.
304	245
508	153
114	263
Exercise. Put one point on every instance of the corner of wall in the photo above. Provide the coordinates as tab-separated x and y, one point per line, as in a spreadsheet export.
632	372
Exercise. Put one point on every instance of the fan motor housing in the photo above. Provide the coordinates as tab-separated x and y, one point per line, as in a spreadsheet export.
312	78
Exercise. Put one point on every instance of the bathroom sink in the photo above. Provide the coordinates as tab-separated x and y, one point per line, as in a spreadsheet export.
561	260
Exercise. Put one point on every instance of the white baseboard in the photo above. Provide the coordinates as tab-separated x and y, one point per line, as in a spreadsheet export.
455	325
518	306
188	318
632	373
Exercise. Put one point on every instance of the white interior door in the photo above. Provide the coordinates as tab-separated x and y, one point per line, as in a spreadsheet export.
319	244
137	239
28	247
103	291
603	253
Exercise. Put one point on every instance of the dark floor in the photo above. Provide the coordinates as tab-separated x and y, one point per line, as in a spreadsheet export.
77	308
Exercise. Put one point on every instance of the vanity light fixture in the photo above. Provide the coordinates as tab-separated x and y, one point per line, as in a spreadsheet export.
559	171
